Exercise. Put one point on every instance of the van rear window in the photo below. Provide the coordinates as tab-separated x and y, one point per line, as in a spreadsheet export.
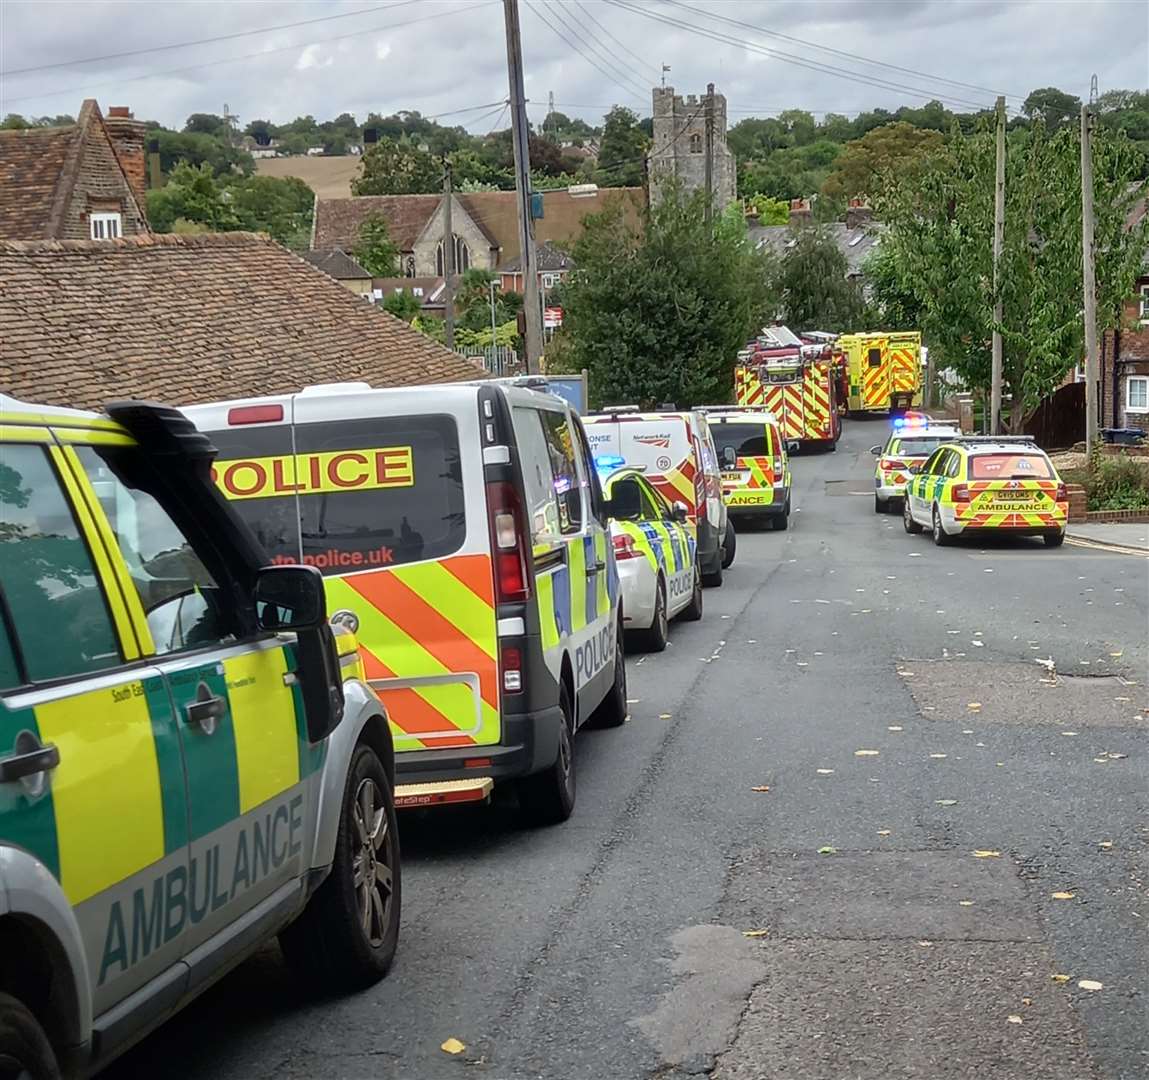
353	495
746	440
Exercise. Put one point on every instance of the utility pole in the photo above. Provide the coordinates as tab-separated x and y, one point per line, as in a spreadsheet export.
520	131
998	244
1088	281
709	152
665	69
494	329
550	113
448	259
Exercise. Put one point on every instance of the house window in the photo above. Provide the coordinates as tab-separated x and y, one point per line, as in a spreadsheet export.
462	257
106	226
549	281
696	144
1137	394
1143	313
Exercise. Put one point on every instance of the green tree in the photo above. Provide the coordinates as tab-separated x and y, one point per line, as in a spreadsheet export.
863	165
938	240
811	283
771	211
175	147
374	250
657	312
1053	107
192	194
403	304
621	155
14	122
397	168
279	206
207	124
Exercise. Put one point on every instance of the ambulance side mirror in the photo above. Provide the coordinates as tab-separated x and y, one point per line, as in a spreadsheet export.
681	512
793	446
729	456
876	451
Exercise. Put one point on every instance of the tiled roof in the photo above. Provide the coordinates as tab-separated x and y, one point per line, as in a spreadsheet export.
855	244
336	263
187	319
337	221
31	162
547	256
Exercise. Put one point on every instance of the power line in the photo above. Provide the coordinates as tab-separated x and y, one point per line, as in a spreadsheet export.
854	57
207	41
620	67
622	45
788	58
165	72
577	48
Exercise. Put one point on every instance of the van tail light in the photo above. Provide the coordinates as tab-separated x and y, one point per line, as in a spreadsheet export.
625	547
255	414
509	540
777	463
961	493
1062	492
511	666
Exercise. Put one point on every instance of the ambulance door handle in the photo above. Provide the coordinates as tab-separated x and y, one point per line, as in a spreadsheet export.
205	712
30	763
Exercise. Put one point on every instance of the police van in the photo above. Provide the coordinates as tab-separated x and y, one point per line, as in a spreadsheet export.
191	761
462	535
677	453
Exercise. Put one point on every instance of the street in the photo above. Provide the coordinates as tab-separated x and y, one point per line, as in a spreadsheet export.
881	760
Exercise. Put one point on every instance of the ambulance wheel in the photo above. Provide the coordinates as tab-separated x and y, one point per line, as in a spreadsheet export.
879	506
612	711
24	1048
693	611
729	546
655	637
347	935
1054	539
941	537
781	522
548	797
911	526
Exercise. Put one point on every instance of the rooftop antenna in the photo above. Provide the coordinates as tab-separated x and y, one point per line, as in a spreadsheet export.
1093	90
665	69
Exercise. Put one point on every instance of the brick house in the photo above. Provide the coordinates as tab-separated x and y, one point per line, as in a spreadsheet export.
187	319
338	264
1125	363
484	224
86	181
553	265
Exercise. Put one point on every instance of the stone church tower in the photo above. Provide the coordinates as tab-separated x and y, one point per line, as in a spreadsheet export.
679	146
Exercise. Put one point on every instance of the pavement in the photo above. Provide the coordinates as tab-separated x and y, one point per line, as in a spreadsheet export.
1132	534
883	813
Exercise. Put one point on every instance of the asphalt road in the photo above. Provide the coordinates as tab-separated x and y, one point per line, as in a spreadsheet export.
931	788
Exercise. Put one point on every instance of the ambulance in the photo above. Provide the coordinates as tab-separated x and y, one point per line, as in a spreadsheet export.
191	761
462	536
676	452
755	465
885	371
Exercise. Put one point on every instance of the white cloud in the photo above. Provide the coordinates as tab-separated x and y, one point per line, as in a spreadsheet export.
382	51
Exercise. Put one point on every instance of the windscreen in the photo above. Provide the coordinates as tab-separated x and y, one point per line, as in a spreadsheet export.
1010	467
921	446
746	440
356	494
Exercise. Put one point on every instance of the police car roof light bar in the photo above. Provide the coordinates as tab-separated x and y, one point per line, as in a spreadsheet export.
619	408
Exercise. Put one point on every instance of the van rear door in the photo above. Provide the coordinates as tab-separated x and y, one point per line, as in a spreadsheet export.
383	492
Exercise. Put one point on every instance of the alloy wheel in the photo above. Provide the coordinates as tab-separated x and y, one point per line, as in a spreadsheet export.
371	864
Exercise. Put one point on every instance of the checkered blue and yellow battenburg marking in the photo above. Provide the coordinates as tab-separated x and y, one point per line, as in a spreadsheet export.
569	598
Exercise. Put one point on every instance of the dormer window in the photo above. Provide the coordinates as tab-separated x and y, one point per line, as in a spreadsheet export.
106	226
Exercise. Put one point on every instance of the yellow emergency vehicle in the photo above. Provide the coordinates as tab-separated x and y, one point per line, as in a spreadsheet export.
987	483
755	464
190	763
884	370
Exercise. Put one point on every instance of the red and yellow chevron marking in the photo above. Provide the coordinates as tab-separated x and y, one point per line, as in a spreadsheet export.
876	386
980	512
903	367
432	624
678	485
747	386
761	471
816	393
1012	520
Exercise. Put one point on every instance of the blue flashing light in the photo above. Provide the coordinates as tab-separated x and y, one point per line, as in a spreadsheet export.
608	462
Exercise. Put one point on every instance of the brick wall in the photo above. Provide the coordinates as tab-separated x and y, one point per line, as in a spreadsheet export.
1124	352
100	186
128	135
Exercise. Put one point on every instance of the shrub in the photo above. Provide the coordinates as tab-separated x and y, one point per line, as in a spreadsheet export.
1116	482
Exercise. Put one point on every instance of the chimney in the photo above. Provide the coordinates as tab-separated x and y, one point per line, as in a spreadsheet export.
800	213
858	214
127	134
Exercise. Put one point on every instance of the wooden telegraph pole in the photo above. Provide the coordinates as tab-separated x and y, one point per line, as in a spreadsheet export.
998	244
709	211
1088	281
448	261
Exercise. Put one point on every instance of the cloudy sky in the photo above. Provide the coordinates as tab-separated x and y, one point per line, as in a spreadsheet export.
276	59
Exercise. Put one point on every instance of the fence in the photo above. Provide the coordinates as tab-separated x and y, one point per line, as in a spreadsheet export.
497	359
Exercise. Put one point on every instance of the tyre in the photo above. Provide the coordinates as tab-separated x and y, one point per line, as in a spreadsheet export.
781	522
347	935
655	637
911	526
693	611
879	506
1054	539
729	546
713	578
24	1048
941	537
548	797
612	711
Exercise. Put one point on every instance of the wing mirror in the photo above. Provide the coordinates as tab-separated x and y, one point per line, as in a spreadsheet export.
290	598
729	456
793	446
915	469
876	451
681	512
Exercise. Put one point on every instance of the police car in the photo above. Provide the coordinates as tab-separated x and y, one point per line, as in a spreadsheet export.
655	550
461	533
978	483
190	759
755	464
912	439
